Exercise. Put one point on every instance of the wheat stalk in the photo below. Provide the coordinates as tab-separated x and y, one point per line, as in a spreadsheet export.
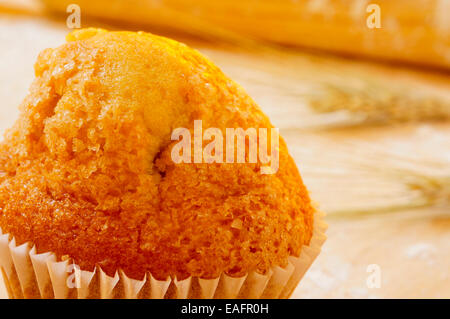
355	178
424	192
378	104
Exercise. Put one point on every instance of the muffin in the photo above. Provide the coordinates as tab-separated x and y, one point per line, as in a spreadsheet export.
88	177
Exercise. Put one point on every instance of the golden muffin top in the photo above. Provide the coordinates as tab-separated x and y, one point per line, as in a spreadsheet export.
86	170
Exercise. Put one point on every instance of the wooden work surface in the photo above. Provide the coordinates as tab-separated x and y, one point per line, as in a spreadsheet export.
411	246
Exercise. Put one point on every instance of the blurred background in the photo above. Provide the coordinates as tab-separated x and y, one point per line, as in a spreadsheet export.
359	89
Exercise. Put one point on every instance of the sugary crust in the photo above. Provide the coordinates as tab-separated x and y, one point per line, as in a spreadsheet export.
86	171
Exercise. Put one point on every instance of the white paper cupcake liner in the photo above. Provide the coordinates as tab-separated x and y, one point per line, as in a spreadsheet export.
31	275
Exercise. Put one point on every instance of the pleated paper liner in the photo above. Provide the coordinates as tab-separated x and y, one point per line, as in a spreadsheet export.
31	275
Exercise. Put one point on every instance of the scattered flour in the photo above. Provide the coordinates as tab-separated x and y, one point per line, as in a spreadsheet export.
420	251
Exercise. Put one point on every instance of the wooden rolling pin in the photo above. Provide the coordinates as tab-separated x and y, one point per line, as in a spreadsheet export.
413	31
